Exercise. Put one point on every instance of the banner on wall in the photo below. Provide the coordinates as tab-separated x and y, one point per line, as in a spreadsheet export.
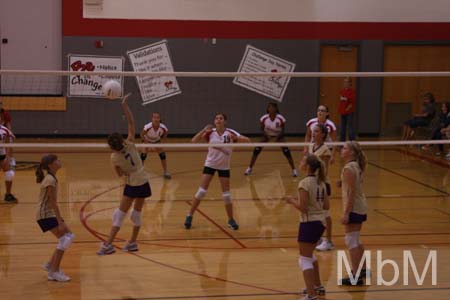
91	85
154	58
256	60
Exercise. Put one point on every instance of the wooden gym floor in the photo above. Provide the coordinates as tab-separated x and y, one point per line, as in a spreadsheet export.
409	202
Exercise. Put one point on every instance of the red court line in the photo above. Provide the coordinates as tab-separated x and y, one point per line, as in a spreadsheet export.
94	233
218	226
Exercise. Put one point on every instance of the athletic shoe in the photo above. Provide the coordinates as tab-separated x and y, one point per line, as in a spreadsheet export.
347	281
167	175
106	249
232	224
58	276
294	173
10	198
130	247
325	245
188	222
447	156
248	172
307	297
320	290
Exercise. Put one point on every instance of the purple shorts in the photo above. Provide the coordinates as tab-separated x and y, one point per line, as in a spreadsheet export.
310	232
354	218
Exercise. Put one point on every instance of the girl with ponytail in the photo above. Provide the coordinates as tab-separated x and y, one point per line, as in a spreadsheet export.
48	215
312	201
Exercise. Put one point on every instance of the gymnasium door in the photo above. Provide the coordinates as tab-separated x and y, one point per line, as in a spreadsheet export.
336	59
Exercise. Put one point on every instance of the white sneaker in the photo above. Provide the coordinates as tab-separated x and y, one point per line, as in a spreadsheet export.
248	172
167	175
294	173
106	249
325	245
130	247
58	276
447	156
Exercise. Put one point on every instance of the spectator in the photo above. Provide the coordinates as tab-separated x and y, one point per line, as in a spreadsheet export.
346	110
444	121
421	119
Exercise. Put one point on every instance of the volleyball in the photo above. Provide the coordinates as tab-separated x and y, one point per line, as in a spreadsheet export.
112	89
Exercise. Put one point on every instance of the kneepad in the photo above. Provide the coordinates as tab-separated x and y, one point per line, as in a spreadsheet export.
143	156
65	241
118	217
136	217
286	152
257	151
226	196
201	192
306	263
162	155
9	175
352	239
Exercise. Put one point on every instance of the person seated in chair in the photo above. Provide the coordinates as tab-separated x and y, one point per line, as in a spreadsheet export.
421	119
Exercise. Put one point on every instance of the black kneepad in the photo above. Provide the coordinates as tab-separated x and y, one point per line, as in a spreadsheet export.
162	155
143	156
257	151
286	152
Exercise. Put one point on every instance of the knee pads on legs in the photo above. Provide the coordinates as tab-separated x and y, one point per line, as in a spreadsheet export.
201	192
9	175
136	217
306	263
257	151
65	241
226	196
286	152
352	239
118	217
162	155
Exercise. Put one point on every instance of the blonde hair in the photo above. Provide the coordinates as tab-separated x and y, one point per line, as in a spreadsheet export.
358	154
315	164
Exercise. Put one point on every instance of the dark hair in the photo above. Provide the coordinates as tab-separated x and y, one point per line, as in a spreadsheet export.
358	154
447	104
323	130
274	105
328	110
115	141
159	114
46	160
221	114
429	96
315	164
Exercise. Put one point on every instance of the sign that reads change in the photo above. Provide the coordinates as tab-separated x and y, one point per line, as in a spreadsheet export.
91	85
256	60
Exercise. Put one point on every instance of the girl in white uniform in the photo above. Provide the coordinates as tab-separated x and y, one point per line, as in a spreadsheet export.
6	136
322	118
354	204
272	125
318	148
126	161
312	201
218	159
152	133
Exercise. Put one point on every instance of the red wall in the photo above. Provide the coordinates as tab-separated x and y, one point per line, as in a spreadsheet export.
75	25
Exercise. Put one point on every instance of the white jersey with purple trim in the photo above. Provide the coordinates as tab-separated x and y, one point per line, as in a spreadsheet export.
328	124
6	136
152	135
273	127
219	158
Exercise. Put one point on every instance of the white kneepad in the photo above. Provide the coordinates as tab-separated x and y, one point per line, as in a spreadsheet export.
136	217
9	175
65	241
201	192
117	218
352	239
306	263
226	196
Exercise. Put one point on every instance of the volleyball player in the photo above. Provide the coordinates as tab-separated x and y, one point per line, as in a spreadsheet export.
126	161
312	202
217	160
6	136
318	148
272	126
322	118
153	133
355	204
49	216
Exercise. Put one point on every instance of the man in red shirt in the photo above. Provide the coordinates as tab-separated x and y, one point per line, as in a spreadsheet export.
346	110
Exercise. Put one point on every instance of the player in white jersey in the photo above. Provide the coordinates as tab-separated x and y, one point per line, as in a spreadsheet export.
152	133
127	163
354	204
272	126
6	136
322	118
218	159
312	201
319	149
